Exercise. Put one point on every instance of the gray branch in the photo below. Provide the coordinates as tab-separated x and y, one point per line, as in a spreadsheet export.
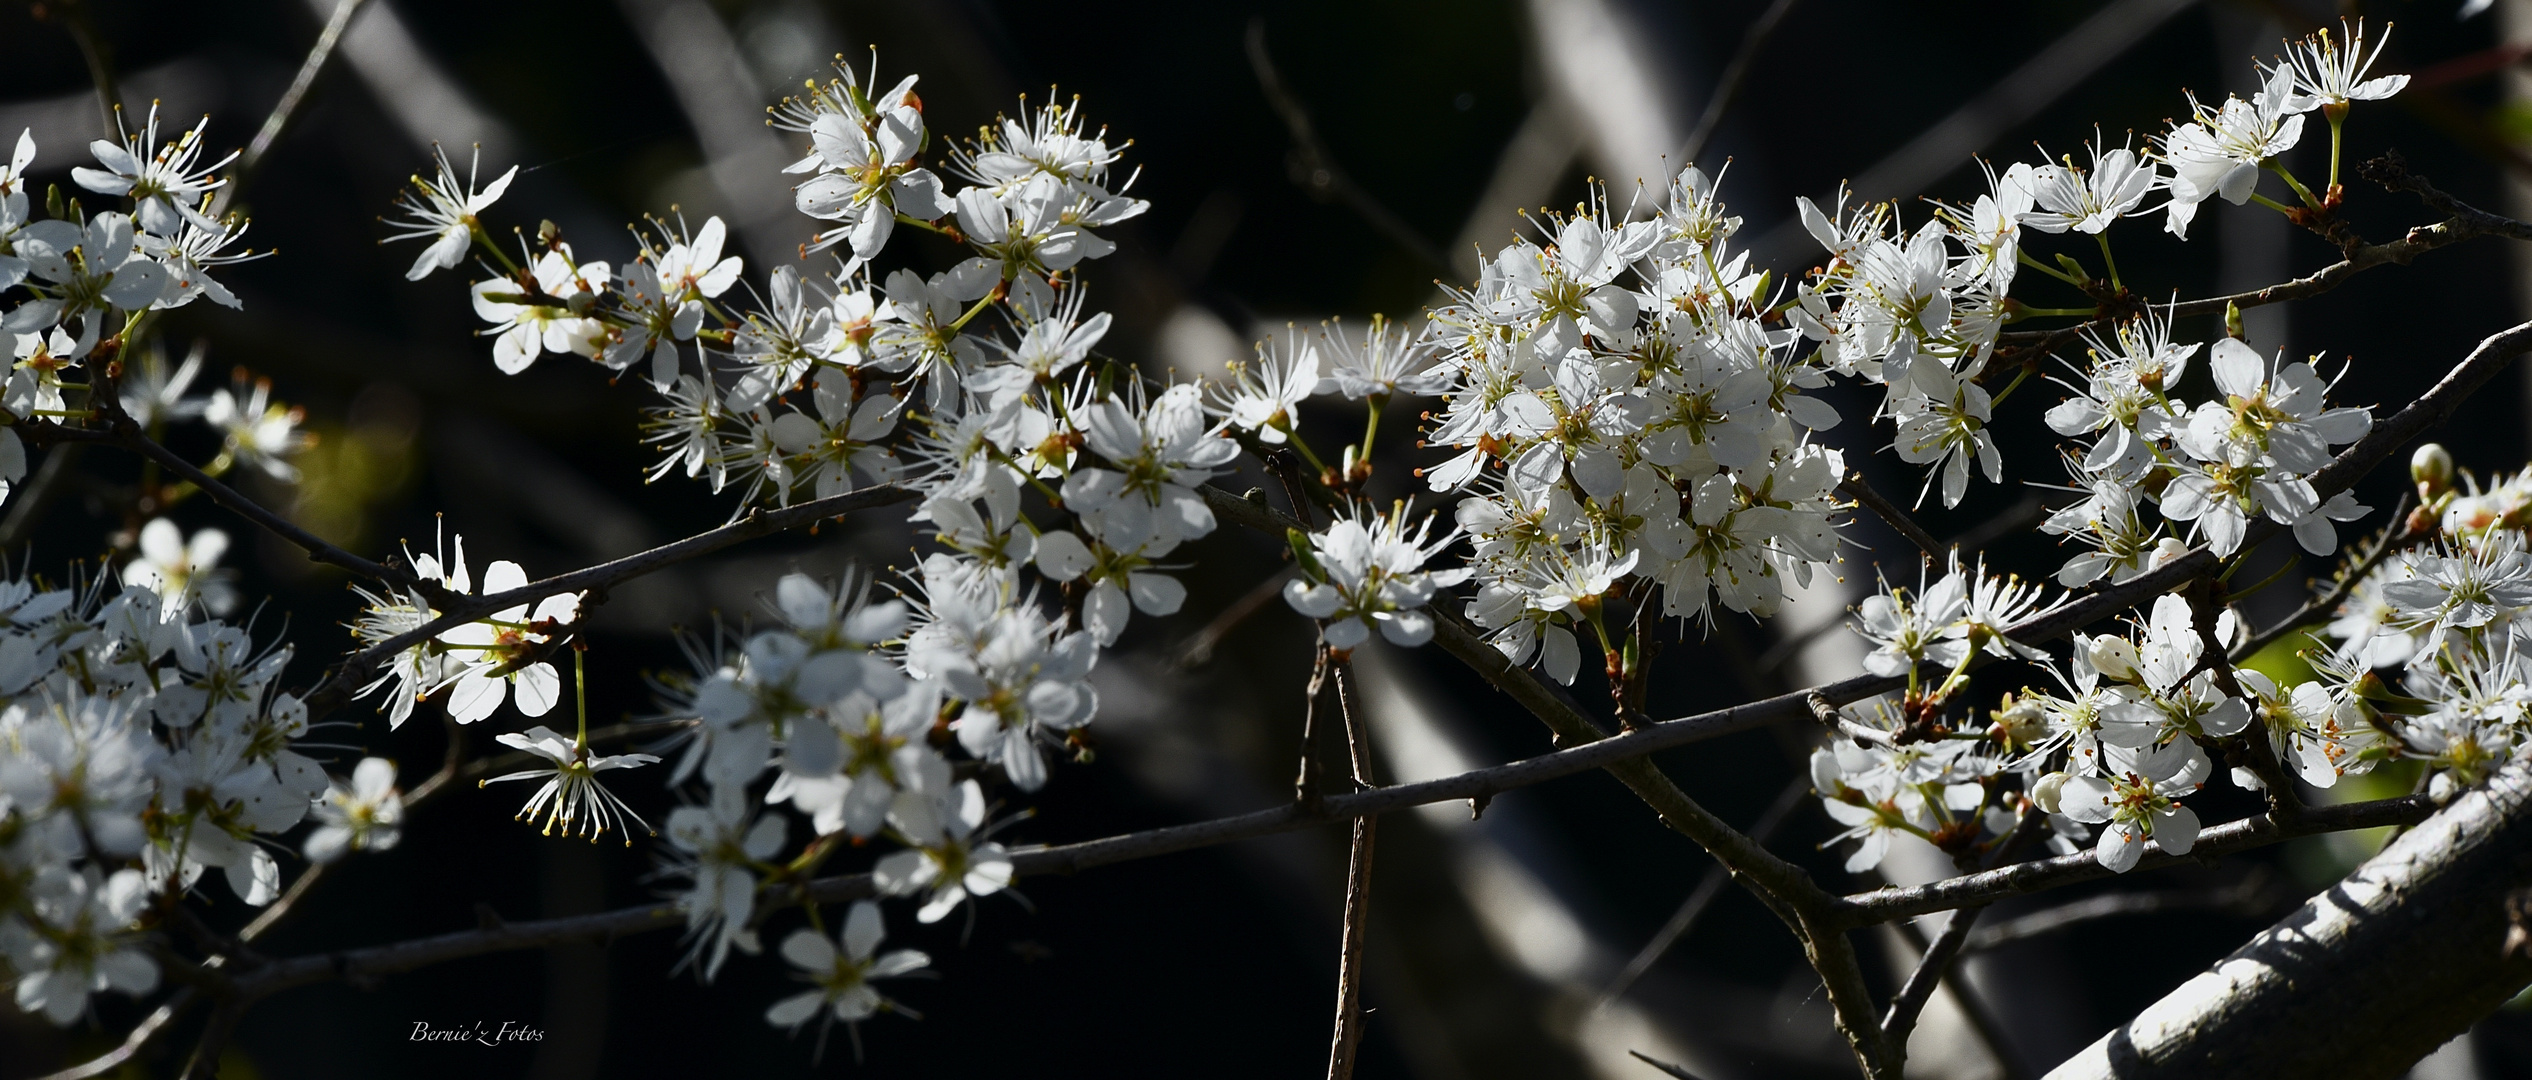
2370	975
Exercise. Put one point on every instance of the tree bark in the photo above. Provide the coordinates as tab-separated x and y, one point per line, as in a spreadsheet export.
2369	976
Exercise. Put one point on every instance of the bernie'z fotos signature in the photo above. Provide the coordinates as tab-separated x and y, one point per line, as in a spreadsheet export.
510	1031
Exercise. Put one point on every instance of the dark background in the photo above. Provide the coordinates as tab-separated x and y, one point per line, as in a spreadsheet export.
1218	962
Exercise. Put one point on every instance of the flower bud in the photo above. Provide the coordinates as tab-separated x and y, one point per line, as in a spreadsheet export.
2046	789
2022	719
2432	468
2166	551
2113	656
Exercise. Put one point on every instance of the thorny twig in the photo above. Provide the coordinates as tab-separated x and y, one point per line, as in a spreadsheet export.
1347	1041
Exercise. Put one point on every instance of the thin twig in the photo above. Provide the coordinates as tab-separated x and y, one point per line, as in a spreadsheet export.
335	690
1347	1041
1666	1067
1314	165
135	1041
1199	648
1793	644
31	499
2463	222
453	609
1727	87
2248	899
1986	887
1936	967
2395	536
1855	488
214	1039
317	548
99	55
1909	1003
2042	77
281	908
2019	516
288	107
1703	895
452	760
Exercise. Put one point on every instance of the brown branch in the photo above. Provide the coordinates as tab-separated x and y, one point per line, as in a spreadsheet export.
1347	1041
1855	488
1883	905
1910	1002
1307	791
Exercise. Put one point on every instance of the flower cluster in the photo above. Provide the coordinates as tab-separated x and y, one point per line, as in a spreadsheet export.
2429	662
1629	419
483	662
1367	571
141	746
1630	415
73	285
2123	742
2216	466
976	386
2118	747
